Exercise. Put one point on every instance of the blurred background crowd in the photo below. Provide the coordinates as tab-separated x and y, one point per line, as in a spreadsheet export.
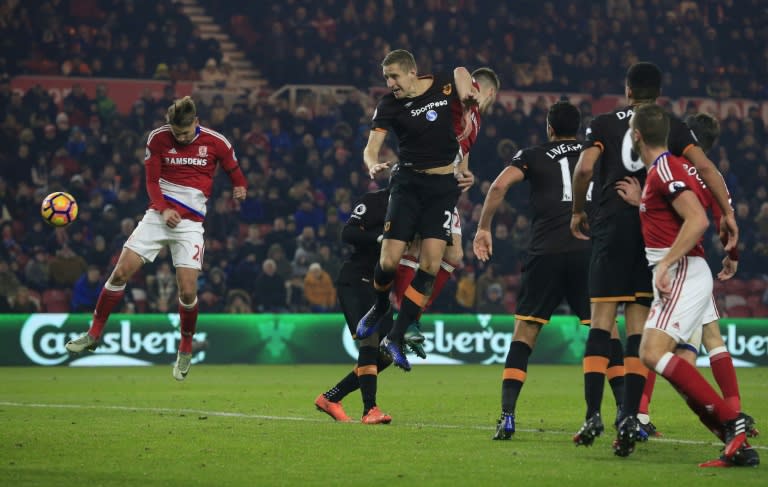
280	249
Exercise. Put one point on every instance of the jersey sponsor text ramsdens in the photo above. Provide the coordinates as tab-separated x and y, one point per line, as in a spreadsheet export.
186	161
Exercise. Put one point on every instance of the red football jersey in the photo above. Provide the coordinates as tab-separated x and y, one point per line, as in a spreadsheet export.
709	203
466	143
180	176
667	179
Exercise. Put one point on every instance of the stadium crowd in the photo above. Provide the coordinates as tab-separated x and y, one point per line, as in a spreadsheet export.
280	250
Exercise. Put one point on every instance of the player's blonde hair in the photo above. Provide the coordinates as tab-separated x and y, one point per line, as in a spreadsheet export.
182	113
487	75
401	57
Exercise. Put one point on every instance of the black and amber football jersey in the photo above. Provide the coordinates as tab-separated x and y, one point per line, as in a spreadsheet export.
362	230
425	126
610	132
549	168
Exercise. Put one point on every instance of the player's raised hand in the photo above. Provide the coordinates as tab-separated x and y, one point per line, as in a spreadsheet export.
171	217
238	193
579	225
482	246
378	168
629	190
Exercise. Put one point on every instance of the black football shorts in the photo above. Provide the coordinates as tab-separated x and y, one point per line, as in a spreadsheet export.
420	204
547	279
618	269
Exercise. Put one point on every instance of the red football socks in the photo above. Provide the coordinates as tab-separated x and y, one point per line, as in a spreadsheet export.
108	299
188	315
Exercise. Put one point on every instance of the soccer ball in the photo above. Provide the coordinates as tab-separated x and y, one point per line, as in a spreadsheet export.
59	209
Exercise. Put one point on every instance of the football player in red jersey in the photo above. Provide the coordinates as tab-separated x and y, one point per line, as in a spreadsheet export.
706	129
673	222
181	159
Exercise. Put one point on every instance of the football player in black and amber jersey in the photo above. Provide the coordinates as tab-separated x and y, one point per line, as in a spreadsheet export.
421	112
557	263
363	231
619	271
487	83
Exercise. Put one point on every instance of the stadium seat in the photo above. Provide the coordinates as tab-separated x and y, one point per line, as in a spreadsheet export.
139	297
719	288
760	311
737	286
754	301
510	301
739	311
512	281
35	296
732	300
55	301
757	286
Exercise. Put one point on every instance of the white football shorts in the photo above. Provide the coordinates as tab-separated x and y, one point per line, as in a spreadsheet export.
710	315
690	303
185	242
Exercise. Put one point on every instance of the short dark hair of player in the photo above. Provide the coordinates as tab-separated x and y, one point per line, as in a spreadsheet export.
644	79
705	127
401	57
182	113
487	75
564	118
652	122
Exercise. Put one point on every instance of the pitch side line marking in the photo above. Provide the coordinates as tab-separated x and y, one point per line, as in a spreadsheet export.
226	414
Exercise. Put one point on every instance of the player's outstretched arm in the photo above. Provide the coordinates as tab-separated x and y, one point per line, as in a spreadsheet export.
582	175
371	153
482	245
715	182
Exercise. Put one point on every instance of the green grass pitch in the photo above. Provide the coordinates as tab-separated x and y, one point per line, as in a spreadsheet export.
257	425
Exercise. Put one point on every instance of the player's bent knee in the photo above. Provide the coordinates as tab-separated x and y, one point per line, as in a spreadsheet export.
429	267
389	263
686	355
649	356
120	276
526	331
649	359
188	296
